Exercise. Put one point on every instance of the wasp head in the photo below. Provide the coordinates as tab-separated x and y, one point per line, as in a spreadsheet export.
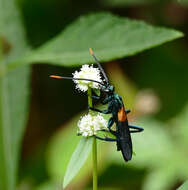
108	88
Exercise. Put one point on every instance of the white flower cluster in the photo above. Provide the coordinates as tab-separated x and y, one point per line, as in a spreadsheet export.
87	72
89	124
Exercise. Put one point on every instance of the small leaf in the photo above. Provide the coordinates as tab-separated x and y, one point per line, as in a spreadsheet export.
111	37
78	158
184	186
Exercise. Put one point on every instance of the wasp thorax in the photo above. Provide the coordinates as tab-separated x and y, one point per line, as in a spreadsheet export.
109	89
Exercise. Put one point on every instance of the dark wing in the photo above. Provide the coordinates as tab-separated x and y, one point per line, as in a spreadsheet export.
125	142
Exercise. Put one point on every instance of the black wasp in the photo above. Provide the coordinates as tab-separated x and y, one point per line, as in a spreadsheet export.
119	114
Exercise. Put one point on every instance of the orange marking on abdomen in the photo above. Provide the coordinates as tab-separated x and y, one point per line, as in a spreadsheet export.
122	116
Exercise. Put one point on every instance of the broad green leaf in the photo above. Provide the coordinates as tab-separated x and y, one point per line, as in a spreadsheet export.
78	158
184	186
13	92
61	148
110	36
122	84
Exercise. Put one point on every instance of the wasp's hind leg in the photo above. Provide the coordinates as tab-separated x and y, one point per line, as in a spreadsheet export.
136	129
103	139
107	139
118	146
127	111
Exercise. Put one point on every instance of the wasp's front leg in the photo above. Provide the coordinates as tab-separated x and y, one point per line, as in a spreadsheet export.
95	97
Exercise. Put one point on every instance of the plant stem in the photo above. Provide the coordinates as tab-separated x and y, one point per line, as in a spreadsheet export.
94	147
90	104
94	155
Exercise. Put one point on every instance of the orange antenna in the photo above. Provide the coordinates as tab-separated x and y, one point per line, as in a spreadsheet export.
55	77
91	51
71	78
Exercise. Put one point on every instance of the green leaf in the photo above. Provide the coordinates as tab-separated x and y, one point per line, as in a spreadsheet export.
184	186
78	158
63	141
122	84
13	92
111	37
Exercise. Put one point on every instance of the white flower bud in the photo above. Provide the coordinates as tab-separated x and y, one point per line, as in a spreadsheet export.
87	72
89	124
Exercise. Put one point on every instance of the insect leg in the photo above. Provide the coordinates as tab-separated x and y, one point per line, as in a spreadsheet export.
110	123
127	111
107	139
118	146
137	129
94	97
111	131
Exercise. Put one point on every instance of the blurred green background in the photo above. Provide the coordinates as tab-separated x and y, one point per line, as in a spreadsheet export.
153	84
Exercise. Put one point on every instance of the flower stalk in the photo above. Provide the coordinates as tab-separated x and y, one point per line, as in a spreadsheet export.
94	156
94	147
